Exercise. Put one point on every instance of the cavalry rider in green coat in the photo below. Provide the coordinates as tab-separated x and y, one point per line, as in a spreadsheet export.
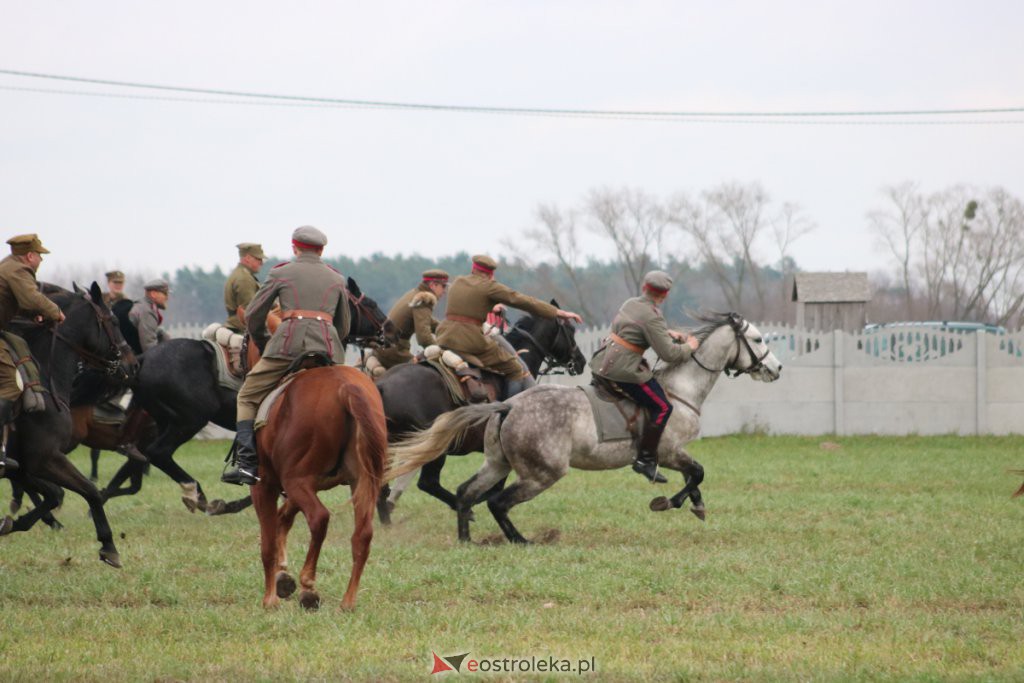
315	318
19	295
470	298
637	326
413	314
146	314
242	285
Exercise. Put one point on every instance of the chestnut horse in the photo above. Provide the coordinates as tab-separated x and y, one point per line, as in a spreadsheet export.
327	428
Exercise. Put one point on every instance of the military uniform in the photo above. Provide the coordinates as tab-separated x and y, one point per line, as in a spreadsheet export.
146	316
109	297
413	314
470	299
241	286
19	294
315	318
637	326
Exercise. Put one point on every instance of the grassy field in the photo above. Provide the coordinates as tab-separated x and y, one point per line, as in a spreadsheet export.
862	559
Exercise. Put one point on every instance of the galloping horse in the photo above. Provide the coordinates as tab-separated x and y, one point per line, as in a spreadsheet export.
415	395
177	385
326	429
88	334
544	431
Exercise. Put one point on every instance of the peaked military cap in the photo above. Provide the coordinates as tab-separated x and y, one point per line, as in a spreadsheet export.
308	236
159	284
115	276
485	262
23	244
658	279
250	249
435	275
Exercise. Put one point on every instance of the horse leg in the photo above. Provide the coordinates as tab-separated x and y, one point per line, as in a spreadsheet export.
430	482
283	581
131	471
17	496
47	508
59	470
519	492
264	500
384	506
302	493
470	492
44	496
693	475
161	454
94	469
221	507
362	536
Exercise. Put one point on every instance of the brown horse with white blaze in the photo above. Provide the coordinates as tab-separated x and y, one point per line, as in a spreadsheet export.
326	429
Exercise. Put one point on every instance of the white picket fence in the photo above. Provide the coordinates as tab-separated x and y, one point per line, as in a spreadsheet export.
907	381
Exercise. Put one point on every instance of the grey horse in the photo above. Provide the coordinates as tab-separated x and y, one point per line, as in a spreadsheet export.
544	431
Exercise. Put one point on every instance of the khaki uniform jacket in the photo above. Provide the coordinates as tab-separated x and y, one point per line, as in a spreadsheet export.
239	290
146	317
473	296
639	322
412	314
307	284
19	293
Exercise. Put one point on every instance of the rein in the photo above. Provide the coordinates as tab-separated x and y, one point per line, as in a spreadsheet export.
554	365
739	328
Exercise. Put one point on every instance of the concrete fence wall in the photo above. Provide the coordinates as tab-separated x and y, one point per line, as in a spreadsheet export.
914	381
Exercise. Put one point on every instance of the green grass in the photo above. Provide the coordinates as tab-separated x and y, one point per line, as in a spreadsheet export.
884	559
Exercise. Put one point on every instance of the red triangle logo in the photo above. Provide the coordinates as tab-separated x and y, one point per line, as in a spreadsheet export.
440	665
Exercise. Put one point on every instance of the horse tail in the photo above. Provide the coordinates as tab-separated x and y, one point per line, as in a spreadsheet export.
425	445
492	436
371	444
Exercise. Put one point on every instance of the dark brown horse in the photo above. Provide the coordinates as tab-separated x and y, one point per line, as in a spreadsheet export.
326	429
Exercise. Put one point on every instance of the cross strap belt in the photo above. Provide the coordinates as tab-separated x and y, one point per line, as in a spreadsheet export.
625	344
455	318
300	314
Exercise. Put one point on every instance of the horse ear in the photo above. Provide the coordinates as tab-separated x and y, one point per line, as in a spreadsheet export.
77	289
555	304
353	287
96	294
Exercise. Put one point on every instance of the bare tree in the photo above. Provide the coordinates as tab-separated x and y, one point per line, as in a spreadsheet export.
899	227
635	224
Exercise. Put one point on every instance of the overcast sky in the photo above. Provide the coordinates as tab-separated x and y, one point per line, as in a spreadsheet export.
153	185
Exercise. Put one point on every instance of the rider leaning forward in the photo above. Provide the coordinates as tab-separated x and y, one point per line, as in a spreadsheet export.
315	318
470	298
638	326
19	296
412	314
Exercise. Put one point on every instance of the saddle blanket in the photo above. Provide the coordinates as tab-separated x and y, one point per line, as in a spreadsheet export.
224	376
263	412
610	416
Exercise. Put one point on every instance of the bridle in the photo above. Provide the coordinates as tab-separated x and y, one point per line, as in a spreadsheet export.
551	364
379	323
739	328
119	349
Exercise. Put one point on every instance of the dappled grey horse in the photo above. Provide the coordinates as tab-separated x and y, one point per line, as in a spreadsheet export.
544	431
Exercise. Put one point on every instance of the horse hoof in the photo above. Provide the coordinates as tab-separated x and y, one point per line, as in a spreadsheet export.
190	504
57	526
385	512
285	585
699	512
6	525
111	557
309	600
216	507
660	504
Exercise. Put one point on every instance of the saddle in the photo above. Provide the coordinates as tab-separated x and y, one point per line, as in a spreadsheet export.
28	373
616	415
466	380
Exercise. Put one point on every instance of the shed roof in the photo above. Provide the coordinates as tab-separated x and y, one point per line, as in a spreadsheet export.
831	287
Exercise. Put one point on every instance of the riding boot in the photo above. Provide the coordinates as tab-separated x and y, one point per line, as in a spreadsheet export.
133	422
246	461
7	465
474	384
518	385
646	462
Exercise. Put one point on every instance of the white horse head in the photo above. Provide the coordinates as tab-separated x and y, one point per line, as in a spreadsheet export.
730	344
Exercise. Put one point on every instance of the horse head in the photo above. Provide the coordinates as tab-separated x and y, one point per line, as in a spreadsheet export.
370	324
731	344
94	332
554	339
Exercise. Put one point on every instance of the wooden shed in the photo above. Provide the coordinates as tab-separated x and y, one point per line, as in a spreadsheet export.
831	301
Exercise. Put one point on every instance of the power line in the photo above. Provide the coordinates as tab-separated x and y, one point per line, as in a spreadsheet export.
705	116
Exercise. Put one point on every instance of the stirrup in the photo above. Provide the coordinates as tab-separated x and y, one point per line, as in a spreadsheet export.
650	471
239	477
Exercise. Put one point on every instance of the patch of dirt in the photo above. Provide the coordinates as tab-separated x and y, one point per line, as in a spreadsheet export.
546	537
830	446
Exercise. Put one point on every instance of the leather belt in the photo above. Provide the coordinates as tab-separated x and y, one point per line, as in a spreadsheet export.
302	315
455	318
625	344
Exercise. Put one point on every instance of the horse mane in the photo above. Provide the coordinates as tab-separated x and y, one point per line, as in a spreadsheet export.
712	319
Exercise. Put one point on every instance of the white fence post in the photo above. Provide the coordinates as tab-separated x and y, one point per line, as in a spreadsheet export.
981	383
839	409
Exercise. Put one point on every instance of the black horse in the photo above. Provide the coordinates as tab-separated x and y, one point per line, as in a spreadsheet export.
415	395
89	335
177	385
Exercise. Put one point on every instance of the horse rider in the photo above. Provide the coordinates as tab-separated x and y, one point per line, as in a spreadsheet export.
412	314
315	319
637	326
242	285
470	299
146	314
19	295
115	288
